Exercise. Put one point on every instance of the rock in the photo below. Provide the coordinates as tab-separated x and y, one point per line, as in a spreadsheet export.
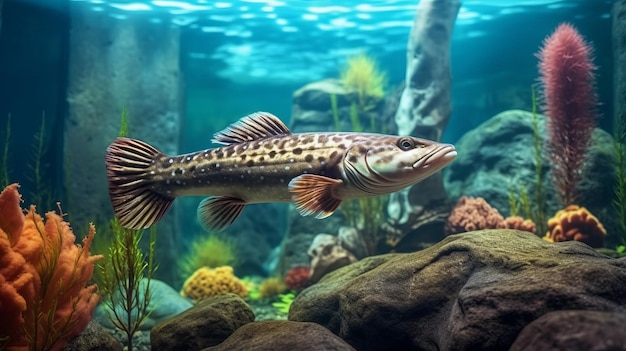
94	338
282	335
327	255
165	304
574	331
499	154
206	324
472	291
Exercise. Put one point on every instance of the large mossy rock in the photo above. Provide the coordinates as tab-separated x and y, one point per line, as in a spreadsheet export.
472	291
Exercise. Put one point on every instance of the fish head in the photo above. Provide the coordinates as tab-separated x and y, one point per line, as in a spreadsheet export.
388	163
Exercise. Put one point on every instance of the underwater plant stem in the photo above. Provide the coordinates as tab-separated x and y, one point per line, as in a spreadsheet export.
335	111
539	213
619	204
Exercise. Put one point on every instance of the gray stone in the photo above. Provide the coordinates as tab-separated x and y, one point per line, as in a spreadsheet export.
282	335
164	304
94	338
206	324
472	291
116	65
574	331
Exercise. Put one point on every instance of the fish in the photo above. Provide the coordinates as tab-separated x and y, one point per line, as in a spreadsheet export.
261	161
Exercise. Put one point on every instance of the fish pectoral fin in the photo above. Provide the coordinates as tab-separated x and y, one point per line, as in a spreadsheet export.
313	195
217	213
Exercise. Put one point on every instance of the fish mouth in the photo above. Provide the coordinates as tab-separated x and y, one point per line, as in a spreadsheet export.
437	159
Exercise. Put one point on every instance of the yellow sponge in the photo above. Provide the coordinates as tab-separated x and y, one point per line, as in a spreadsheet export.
206	282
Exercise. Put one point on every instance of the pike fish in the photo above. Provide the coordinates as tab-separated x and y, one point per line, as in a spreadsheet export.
262	161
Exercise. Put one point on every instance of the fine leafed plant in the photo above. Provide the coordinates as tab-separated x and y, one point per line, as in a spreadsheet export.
539	211
126	297
619	154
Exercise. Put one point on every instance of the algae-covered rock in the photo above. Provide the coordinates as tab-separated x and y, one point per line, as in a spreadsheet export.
471	291
282	335
206	324
94	338
165	303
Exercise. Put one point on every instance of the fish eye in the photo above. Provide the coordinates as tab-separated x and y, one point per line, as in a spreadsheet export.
406	144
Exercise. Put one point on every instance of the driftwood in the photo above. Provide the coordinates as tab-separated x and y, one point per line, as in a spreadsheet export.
425	107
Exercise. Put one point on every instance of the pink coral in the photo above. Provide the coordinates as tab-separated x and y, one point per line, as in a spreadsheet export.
473	214
570	104
519	223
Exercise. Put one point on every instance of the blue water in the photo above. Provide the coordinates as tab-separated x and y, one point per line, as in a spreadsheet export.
255	45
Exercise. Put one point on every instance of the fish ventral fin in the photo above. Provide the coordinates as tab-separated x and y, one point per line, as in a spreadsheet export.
135	204
255	126
313	195
219	212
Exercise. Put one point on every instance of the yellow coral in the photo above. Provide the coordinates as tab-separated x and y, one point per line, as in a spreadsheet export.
206	282
576	223
362	76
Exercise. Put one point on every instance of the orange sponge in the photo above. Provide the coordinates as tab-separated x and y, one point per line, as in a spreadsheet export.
575	223
206	282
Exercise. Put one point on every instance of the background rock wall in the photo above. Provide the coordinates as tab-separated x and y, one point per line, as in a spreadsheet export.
114	65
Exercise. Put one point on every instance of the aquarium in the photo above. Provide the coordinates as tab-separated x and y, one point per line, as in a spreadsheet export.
316	174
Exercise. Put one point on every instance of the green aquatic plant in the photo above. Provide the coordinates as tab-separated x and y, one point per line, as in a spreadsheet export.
42	194
362	76
213	250
335	111
283	305
539	213
619	169
125	266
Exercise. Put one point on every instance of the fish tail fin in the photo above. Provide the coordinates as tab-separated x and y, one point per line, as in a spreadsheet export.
135	204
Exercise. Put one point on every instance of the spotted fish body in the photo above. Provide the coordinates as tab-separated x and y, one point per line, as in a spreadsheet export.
263	162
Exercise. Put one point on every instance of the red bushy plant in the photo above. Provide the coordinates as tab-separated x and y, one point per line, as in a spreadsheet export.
567	74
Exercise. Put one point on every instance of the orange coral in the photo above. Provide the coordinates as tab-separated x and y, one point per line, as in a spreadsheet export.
206	282
473	214
44	297
575	223
519	223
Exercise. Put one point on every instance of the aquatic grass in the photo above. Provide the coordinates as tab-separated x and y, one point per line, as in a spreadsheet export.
127	300
335	112
362	76
283	305
619	169
539	213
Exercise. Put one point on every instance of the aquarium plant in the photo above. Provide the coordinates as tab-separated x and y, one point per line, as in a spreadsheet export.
125	266
45	293
283	305
362	76
567	75
213	250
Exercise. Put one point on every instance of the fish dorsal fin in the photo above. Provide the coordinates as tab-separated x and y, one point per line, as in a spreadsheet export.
313	195
219	212
255	126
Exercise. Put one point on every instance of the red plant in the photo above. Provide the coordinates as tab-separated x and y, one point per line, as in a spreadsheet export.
567	74
297	278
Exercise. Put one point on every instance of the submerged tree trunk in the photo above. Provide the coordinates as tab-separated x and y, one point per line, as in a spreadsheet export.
425	106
